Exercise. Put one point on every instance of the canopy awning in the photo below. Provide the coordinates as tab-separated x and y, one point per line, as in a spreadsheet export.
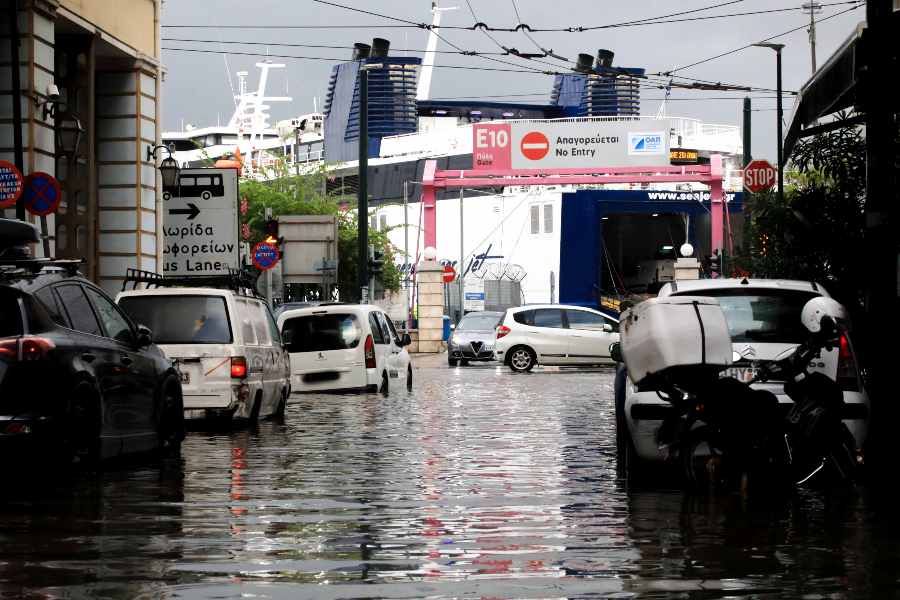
835	86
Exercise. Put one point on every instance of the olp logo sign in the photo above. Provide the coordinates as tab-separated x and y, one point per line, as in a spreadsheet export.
646	143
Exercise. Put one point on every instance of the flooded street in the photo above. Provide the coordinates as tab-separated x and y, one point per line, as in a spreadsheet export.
478	484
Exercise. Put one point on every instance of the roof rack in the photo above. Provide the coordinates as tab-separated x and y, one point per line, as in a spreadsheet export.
36	265
236	281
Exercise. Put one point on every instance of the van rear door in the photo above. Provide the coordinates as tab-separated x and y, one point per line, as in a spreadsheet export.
326	350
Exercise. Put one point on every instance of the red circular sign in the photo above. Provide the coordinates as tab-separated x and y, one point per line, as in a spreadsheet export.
10	183
535	145
759	175
265	255
42	194
449	274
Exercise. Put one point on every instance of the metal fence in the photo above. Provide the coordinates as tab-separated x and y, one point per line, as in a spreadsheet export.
498	295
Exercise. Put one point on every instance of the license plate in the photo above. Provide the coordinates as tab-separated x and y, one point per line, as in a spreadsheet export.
740	373
184	377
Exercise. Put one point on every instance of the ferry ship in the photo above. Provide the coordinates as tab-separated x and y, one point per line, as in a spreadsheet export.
570	243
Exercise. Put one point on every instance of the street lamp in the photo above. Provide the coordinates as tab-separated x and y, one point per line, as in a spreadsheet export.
777	48
168	168
69	130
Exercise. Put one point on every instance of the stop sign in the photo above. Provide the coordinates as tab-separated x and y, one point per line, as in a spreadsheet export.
449	274
759	175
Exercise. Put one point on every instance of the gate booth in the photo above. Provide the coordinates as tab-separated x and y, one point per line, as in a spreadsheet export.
582	212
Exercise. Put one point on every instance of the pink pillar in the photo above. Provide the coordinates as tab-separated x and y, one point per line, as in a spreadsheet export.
716	203
429	200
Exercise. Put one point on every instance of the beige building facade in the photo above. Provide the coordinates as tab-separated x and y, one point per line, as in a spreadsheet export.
104	56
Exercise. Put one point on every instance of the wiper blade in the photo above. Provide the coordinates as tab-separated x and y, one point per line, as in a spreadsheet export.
754	333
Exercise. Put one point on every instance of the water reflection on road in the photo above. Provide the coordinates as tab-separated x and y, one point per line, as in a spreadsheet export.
479	484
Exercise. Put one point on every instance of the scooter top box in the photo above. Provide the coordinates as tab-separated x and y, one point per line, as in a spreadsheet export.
676	333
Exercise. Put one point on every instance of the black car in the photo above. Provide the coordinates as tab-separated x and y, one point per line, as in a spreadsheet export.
76	376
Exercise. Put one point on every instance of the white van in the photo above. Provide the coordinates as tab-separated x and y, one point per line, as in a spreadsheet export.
225	346
345	347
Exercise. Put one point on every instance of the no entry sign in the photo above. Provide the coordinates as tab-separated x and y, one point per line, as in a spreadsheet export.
10	183
42	194
449	274
759	175
535	145
265	255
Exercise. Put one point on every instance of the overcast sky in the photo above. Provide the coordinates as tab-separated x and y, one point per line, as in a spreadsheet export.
197	89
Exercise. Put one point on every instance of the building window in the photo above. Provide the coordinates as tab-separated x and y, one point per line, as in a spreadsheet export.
382	224
548	218
535	219
373	222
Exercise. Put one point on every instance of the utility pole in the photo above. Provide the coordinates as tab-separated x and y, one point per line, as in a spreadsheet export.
269	271
462	262
812	8
372	278
16	101
406	234
362	204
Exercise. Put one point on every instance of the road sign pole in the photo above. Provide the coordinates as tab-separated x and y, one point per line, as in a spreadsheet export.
362	204
780	141
748	158
372	278
269	271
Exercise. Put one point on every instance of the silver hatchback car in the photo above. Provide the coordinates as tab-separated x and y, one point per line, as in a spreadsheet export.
474	338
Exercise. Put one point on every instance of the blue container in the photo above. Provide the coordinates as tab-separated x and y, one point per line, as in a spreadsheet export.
446	328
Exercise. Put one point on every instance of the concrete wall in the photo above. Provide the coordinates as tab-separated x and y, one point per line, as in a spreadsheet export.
129	21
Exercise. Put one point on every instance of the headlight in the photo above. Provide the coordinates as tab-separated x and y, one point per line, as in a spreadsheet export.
454	339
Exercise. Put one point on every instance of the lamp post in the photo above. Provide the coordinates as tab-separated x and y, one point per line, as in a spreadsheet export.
168	168
777	48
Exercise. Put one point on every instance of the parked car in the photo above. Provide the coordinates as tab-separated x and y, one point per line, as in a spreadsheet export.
554	334
225	346
77	377
346	347
474	338
763	317
295	305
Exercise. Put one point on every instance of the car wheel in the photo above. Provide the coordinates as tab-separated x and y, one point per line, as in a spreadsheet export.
206	195
282	405
452	362
701	454
83	423
635	466
409	378
170	431
384	385
257	404
521	359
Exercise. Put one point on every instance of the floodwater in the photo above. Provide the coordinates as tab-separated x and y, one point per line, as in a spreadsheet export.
479	484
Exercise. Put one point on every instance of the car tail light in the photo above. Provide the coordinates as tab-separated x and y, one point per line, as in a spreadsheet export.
370	352
502	331
847	375
26	349
238	366
16	429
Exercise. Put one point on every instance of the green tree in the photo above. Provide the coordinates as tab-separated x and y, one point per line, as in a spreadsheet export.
817	232
288	194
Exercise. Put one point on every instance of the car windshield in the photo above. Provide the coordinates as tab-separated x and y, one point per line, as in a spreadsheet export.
761	315
181	319
318	333
473	322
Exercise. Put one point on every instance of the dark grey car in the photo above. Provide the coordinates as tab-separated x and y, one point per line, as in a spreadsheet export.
474	338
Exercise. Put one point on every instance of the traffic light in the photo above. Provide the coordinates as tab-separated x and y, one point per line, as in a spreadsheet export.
376	265
715	262
272	237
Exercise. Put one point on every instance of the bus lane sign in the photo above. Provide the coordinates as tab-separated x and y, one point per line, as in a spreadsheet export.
200	223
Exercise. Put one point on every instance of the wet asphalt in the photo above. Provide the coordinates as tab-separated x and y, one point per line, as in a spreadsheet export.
479	483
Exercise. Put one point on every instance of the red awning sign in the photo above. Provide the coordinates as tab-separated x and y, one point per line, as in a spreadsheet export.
10	183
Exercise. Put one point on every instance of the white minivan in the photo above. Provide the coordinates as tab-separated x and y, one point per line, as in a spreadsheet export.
345	347
225	346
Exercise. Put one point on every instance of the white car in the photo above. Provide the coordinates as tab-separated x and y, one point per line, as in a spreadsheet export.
554	334
345	347
224	345
763	317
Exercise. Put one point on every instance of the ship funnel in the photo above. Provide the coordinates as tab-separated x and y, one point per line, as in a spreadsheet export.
584	63
380	47
361	51
605	58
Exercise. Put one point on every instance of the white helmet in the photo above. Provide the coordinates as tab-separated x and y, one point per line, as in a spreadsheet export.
818	308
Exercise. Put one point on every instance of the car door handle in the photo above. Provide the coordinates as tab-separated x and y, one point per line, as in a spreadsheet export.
88	357
127	360
576	335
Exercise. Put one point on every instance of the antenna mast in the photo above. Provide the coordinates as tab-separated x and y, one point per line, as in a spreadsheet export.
428	63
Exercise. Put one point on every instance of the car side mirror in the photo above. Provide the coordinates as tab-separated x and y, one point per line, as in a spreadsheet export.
287	336
615	352
452	326
405	340
607	327
144	336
